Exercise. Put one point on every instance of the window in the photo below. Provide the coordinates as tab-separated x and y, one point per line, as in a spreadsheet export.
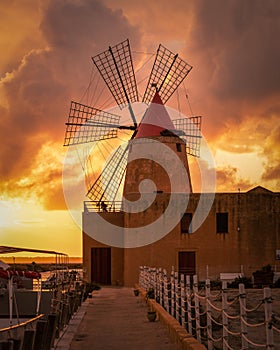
178	147
185	222
221	222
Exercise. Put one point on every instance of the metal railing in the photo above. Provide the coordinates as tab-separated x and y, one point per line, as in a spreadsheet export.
40	332
220	319
104	206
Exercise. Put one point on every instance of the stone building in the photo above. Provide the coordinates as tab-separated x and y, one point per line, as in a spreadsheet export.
240	232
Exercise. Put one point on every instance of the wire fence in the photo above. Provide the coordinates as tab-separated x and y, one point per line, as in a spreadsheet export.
221	318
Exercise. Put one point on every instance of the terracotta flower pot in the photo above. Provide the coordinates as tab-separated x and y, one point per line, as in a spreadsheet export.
152	315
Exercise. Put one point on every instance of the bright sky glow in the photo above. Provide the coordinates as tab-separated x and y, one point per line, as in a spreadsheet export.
46	50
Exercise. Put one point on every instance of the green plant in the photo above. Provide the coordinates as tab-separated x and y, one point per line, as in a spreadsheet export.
94	286
245	280
215	285
152	315
277	283
89	287
267	268
150	294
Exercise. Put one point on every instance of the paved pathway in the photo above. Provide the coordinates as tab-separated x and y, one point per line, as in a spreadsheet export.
115	319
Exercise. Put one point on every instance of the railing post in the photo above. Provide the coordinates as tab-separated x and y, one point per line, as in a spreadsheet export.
157	291
28	339
154	283
224	313
50	333
5	345
189	305
176	289
39	295
165	290
16	344
183	301
11	298
179	299
40	334
268	314
169	287
208	314
196	305
140	276
243	316
162	293
172	293
145	277
152	278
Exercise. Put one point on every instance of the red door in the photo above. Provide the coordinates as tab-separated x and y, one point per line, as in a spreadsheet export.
186	263
101	265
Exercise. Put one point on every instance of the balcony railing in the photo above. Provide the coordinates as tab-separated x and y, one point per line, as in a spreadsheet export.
103	206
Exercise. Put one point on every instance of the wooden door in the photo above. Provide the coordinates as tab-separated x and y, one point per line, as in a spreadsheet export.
186	263
101	265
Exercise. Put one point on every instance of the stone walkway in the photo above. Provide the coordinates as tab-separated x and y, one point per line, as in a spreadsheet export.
115	319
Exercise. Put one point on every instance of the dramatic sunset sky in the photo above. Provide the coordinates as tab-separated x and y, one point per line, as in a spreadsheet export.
45	62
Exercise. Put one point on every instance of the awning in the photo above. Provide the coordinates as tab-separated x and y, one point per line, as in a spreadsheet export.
7	250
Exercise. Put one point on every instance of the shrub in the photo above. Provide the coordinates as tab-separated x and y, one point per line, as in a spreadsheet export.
277	283
245	280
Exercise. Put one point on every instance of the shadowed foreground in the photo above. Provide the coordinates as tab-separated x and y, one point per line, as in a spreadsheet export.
116	319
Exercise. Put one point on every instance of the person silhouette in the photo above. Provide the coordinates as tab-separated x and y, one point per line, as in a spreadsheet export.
104	206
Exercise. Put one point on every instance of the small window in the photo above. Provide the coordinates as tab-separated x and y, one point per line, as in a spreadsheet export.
185	222
221	222
178	147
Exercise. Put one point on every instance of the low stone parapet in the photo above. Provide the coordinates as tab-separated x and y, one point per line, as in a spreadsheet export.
177	333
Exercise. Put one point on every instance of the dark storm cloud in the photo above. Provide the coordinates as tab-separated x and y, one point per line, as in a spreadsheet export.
235	83
84	26
240	42
39	91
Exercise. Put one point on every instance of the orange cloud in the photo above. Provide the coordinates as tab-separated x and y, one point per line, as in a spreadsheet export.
233	47
17	21
271	151
228	180
39	86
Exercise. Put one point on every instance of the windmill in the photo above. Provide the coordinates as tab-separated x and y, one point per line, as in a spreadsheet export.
87	124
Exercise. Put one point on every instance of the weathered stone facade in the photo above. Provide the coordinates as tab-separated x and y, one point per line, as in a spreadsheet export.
237	232
251	237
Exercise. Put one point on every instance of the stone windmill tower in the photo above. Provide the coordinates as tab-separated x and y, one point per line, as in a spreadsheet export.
151	167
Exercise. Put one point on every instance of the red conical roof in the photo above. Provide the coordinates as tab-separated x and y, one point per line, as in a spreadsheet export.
155	119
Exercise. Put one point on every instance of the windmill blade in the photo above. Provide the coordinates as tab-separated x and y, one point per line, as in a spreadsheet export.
107	184
189	130
87	124
116	68
167	73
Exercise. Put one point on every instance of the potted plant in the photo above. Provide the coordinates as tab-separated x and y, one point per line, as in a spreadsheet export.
151	315
150	294
263	277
